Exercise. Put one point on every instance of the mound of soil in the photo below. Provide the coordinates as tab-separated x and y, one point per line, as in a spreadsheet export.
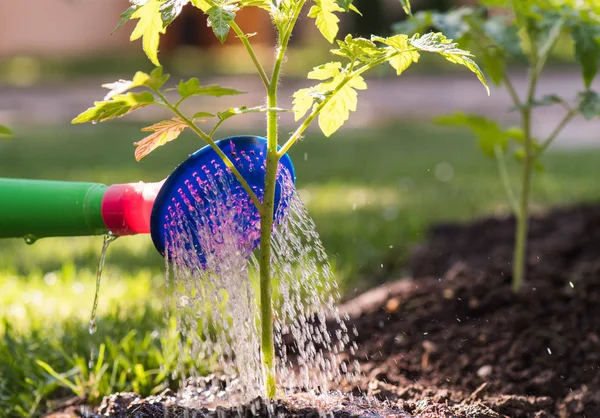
461	334
456	342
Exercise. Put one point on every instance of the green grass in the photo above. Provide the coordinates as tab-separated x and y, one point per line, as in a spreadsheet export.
372	195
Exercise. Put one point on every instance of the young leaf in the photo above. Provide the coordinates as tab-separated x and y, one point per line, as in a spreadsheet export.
406	6
404	57
358	49
587	50
170	9
156	80
125	17
340	91
163	132
220	18
589	104
118	106
327	22
437	42
203	115
337	111
488	132
238	111
192	87
149	28
5	131
201	4
345	4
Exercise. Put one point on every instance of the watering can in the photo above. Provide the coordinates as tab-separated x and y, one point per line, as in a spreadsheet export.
33	209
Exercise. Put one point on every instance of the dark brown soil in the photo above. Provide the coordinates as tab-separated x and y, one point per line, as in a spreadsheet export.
456	342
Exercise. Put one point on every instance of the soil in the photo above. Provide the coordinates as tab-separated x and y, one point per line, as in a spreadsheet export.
455	341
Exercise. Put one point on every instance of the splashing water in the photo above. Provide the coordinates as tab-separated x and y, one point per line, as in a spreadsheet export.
108	239
215	296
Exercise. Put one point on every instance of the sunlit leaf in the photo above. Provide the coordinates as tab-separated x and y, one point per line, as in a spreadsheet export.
326	20
192	87
149	28
406	6
203	115
118	106
438	43
219	19
201	4
239	111
405	52
357	49
170	9
162	133
125	17
303	101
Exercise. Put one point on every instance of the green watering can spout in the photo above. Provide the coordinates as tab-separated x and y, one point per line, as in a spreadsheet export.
33	209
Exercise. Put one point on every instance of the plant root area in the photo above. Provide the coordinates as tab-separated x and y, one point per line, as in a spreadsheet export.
455	341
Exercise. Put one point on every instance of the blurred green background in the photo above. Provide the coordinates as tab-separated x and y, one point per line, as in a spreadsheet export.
373	189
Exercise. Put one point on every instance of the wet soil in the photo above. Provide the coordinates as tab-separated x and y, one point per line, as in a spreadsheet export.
455	341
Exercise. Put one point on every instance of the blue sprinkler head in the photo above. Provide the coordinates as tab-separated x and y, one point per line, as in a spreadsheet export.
181	198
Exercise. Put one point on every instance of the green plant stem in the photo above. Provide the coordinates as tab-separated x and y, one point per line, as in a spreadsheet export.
266	220
522	217
510	194
556	131
215	147
244	38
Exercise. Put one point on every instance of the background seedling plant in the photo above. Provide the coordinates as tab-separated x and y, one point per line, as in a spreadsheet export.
525	31
330	101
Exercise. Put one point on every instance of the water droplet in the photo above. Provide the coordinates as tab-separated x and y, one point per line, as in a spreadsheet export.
30	239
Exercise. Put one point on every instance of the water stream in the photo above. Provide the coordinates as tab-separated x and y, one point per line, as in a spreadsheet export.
108	239
215	301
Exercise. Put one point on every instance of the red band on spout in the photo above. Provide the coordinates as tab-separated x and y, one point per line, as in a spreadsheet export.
126	208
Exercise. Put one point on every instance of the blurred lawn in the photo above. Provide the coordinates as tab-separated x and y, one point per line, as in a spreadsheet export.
372	194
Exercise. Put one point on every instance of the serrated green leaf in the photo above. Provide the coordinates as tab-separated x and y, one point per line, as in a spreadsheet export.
488	132
589	104
406	6
357	49
345	4
303	101
125	17
203	115
323	11
201	4
263	4
239	111
118	106
192	87
170	9
5	131
337	111
405	55
587	50
438	43
156	80
219	19
149	28
121	86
